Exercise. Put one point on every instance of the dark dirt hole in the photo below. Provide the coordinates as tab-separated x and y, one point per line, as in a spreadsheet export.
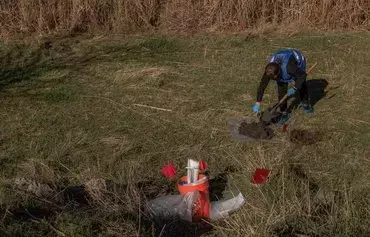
256	130
304	137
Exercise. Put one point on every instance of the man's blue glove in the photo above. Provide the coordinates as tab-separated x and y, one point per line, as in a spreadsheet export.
257	108
292	91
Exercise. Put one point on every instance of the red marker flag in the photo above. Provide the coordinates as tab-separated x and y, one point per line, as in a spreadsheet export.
169	171
260	176
202	165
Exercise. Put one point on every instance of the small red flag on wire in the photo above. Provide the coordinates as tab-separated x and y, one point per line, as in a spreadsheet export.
260	176
202	165
169	171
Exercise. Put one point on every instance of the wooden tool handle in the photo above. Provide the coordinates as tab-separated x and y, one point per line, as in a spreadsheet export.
280	101
309	71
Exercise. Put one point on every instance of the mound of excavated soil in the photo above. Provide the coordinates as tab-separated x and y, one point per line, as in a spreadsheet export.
256	130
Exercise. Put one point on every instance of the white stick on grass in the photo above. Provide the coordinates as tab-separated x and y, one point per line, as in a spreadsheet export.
152	107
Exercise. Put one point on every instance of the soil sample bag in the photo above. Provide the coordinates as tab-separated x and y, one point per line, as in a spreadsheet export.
173	207
221	209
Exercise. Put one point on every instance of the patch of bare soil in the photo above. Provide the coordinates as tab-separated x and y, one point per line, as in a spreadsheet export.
304	137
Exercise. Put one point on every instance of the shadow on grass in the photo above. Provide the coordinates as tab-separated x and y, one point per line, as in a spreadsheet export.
77	201
183	229
316	90
22	63
218	184
10	74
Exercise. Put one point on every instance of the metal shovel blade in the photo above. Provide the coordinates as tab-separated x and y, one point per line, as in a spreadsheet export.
266	117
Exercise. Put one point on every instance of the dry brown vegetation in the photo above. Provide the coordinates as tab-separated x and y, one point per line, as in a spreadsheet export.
133	16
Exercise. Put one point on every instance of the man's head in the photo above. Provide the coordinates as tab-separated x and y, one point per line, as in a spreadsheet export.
272	71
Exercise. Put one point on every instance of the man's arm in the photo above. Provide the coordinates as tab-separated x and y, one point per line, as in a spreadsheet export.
294	71
261	88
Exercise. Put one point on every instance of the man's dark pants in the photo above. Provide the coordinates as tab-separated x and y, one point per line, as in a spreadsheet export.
301	95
